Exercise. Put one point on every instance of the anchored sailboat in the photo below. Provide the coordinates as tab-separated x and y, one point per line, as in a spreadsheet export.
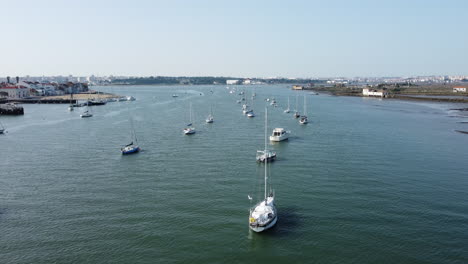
264	215
303	119
296	112
210	118
250	113
132	147
86	113
189	129
288	109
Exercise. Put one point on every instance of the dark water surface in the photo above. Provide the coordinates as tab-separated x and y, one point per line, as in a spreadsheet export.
366	181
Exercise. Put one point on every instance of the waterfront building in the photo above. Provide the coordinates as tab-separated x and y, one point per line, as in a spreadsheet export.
13	91
459	89
373	92
232	82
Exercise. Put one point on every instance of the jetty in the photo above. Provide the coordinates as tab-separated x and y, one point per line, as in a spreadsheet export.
11	109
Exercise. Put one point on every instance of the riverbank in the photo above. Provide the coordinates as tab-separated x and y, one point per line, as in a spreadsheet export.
433	93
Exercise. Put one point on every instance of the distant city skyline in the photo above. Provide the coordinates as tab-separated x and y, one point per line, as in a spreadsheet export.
305	39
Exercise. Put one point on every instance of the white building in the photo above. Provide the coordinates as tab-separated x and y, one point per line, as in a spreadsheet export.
14	91
231	82
372	92
459	89
247	81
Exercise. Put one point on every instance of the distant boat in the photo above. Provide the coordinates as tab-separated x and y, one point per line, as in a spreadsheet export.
96	102
279	134
86	113
288	109
303	119
264	214
132	147
189	130
250	112
210	118
245	109
175	95
296	113
131	98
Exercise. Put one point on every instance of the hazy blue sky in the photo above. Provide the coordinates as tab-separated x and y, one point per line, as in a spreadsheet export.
234	38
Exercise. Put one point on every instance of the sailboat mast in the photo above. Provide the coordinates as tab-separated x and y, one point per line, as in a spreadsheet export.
296	103
265	153
305	112
133	130
190	112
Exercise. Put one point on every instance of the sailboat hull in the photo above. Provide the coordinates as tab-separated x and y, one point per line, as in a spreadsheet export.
259	229
130	150
189	131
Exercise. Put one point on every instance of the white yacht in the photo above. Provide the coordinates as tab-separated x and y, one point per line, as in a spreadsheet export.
250	114
264	214
279	134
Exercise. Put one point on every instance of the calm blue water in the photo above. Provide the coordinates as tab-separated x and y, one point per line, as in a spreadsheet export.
366	181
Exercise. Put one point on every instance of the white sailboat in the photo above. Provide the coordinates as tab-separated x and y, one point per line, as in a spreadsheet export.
189	130
210	118
250	113
264	214
132	147
303	119
86	113
288	109
296	112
